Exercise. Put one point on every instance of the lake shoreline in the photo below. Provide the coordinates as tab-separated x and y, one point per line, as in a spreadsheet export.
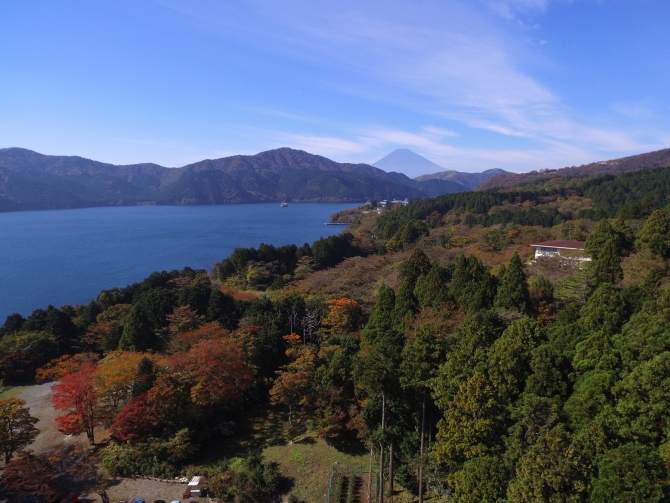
69	256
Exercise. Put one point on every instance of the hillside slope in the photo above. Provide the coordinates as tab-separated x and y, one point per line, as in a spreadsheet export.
638	162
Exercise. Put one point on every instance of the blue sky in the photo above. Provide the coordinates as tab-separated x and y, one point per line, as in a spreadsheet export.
470	84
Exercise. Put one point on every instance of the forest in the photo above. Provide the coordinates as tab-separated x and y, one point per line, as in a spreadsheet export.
427	336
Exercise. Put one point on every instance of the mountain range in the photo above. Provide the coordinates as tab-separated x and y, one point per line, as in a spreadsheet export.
439	181
31	181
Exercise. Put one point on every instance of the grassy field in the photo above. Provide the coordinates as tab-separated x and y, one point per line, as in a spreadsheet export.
302	457
12	392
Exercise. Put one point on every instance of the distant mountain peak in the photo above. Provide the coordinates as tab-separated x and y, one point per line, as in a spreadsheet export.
405	161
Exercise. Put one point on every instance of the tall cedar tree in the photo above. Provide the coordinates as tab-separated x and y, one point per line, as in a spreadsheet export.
472	286
420	358
431	288
513	290
415	266
596	241
17	427
608	265
654	234
377	367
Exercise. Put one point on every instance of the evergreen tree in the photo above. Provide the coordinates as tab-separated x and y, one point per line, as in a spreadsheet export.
509	357
221	308
604	311
415	265
138	332
146	375
472	286
381	317
513	290
599	237
626	234
377	372
406	303
548	471
631	472
654	234
480	480
608	268
420	358
431	288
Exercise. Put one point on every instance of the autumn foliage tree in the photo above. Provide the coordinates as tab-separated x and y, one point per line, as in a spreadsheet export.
77	395
215	369
183	319
294	381
184	341
51	475
344	316
29	478
17	426
64	365
106	333
135	422
117	373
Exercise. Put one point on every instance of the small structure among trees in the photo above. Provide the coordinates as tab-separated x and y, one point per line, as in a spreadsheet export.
573	250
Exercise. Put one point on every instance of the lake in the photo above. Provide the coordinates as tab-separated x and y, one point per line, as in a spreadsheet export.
68	256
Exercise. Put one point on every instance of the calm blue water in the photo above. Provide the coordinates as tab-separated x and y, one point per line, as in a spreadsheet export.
68	256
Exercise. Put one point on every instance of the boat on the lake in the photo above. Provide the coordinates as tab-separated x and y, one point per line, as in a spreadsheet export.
283	204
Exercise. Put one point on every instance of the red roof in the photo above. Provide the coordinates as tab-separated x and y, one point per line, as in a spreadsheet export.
565	245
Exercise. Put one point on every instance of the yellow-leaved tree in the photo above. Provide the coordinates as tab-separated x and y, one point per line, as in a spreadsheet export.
117	373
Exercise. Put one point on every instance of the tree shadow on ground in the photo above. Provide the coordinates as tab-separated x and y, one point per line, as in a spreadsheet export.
261	427
348	443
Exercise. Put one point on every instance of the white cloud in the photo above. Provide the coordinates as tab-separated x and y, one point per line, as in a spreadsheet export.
321	145
446	62
632	110
510	8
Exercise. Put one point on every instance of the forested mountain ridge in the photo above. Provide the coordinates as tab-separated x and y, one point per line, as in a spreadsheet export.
468	180
29	180
638	162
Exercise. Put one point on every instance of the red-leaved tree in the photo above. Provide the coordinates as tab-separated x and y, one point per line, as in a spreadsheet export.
135	422
51	475
76	394
30	478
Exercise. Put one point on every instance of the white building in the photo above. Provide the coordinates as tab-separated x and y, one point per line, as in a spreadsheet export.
573	250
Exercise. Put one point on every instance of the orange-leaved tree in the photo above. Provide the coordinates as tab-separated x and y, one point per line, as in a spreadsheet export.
186	340
77	395
294	381
344	317
64	365
215	369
